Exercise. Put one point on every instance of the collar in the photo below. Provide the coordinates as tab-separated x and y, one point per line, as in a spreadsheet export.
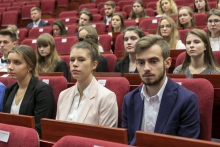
37	23
159	94
108	18
85	92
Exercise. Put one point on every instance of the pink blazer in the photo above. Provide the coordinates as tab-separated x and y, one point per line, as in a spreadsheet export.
100	106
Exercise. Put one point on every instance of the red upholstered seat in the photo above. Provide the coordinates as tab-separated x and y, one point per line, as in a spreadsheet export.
100	1
68	14
183	34
48	6
22	33
127	24
205	93
69	20
152	5
71	29
50	21
64	3
105	41
36	32
111	59
21	4
20	136
97	17
149	12
58	83
127	9
25	12
2	10
64	44
121	4
7	81
212	5
35	2
99	26
119	44
88	6
180	2
10	18
14	8
94	10
150	23
5	5
120	86
30	42
205	29
75	141
66	58
100	5
200	19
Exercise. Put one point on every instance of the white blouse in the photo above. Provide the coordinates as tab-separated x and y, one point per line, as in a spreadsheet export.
180	45
15	108
215	43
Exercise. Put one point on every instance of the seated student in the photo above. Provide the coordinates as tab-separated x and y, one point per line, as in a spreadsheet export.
87	102
2	92
14	29
48	59
213	29
8	40
160	105
201	6
28	96
199	58
127	65
109	11
168	30
137	10
36	17
117	22
218	5
166	8
59	28
185	17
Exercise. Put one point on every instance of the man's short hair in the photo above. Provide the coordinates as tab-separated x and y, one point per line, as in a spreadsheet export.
88	13
150	40
110	3
11	34
36	8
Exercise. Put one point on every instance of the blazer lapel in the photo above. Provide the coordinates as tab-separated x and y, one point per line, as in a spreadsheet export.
138	109
167	102
88	101
10	98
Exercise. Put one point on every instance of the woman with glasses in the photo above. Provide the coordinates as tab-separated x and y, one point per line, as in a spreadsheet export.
201	6
213	29
138	10
168	30
166	8
199	58
186	17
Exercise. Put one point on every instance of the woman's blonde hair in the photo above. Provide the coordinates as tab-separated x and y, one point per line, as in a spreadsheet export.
173	7
209	58
142	15
45	40
14	29
29	56
190	11
174	35
207	8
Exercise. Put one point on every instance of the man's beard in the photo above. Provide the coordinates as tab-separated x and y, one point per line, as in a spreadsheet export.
110	15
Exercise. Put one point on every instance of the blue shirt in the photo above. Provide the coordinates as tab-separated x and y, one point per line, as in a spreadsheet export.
2	93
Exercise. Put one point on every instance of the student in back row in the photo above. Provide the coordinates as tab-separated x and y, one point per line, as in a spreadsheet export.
36	17
109	7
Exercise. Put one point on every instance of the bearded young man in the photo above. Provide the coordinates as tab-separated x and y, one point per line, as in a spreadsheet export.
109	11
160	105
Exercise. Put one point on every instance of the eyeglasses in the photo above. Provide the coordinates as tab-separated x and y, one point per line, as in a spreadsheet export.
215	21
165	26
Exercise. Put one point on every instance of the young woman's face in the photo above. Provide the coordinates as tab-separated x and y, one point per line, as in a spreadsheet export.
184	16
56	30
44	51
194	46
82	33
137	8
80	64
17	67
200	4
213	24
165	4
130	40
165	28
116	21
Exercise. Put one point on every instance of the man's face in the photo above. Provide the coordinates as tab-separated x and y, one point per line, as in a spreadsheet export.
6	44
151	65
109	10
84	19
35	15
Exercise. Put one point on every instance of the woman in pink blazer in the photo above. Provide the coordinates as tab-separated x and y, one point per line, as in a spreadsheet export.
88	101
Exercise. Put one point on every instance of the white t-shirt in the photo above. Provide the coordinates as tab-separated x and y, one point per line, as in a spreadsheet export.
180	45
215	43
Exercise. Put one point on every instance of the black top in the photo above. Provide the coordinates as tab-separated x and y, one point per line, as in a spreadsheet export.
122	66
101	67
61	67
38	101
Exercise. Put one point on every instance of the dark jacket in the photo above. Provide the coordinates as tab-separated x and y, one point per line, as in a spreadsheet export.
41	24
61	67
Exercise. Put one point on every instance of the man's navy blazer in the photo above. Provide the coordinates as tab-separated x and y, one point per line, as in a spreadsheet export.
178	113
41	24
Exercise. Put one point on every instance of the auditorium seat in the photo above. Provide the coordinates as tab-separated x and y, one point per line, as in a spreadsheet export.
111	59
149	24
50	21
99	26
58	83
25	12
47	7
66	58
183	34
119	44
5	5
97	17
35	2
105	41
76	141
212	5
205	93
200	19
120	86
94	11
88	6
2	10
63	3
127	9
71	29
121	4
205	29
152	5
128	23
14	8
100	5
180	2
69	20
30	42
22	33
100	1
64	44
36	32
149	12
68	14
19	136
21	4
10	18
